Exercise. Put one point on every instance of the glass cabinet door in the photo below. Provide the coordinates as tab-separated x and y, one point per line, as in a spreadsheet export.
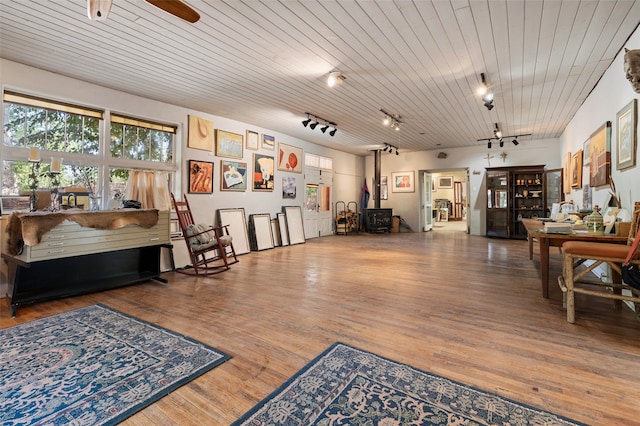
497	203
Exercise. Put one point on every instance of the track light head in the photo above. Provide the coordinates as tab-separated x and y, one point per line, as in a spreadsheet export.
489	144
501	143
306	122
313	125
515	141
397	151
324	129
333	132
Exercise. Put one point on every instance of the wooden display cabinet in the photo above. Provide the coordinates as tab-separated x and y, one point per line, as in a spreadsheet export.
516	193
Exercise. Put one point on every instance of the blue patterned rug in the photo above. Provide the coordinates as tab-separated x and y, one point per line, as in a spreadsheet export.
347	386
92	366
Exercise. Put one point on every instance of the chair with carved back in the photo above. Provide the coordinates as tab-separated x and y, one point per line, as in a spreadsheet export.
580	253
210	248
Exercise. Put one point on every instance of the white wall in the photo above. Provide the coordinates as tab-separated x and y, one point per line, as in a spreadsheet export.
348	168
611	94
407	205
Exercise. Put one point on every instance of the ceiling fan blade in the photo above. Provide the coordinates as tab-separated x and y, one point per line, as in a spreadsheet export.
177	8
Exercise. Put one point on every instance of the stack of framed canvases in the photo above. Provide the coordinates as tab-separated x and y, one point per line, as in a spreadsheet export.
261	232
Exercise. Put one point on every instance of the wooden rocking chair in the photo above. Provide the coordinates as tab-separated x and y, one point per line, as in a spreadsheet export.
210	248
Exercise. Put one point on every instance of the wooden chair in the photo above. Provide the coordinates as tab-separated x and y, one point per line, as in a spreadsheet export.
210	248
573	281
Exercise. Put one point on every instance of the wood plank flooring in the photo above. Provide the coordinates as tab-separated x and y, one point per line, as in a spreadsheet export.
464	307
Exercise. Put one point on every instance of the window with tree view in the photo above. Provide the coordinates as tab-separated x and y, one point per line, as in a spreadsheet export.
59	130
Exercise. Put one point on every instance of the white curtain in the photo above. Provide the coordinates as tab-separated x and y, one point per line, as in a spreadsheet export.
150	188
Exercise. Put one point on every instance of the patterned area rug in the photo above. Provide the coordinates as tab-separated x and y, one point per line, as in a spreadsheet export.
347	386
92	366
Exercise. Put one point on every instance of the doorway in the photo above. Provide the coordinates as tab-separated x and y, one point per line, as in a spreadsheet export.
444	200
318	212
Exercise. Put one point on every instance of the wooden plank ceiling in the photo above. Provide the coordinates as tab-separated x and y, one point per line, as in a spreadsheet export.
266	62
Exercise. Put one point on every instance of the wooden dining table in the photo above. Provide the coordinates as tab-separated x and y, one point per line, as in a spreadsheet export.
535	230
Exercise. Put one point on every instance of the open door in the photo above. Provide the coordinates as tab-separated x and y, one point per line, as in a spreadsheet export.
427	202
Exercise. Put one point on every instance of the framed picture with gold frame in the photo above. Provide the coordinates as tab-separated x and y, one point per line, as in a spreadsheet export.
576	170
600	150
229	144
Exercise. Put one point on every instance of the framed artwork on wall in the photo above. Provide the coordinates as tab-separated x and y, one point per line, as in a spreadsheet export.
627	136
384	188
268	142
445	182
229	144
233	176
289	158
200	133
200	177
263	172
600	150
576	170
566	174
252	140
289	187
402	182
586	156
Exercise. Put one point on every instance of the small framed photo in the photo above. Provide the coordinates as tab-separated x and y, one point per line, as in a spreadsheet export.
229	144
402	182
14	203
445	182
233	176
252	140
200	177
268	142
627	136
289	158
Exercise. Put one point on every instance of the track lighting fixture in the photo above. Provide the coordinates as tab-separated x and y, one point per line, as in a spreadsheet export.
315	121
497	135
335	78
389	148
391	120
485	93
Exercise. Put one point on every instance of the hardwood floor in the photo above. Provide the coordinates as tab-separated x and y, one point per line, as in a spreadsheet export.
464	307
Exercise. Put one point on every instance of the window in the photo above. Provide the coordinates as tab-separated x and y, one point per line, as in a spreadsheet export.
141	140
51	126
93	156
318	162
